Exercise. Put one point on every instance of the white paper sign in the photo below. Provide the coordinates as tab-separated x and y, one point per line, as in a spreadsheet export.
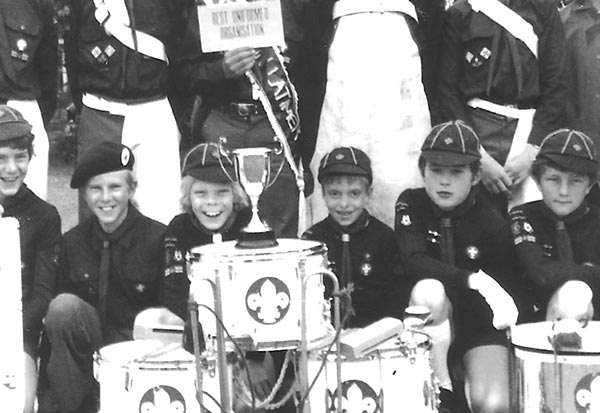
231	25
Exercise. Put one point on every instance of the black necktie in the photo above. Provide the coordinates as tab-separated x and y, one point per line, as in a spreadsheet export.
103	281
345	270
563	243
447	241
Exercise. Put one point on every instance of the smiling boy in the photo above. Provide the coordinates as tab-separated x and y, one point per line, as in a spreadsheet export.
110	269
458	251
557	238
39	233
361	249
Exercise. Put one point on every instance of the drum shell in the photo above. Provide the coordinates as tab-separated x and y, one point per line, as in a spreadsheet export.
261	291
125	383
564	382
390	375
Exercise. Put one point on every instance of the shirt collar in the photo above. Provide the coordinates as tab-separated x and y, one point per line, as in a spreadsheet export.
356	226
574	216
17	198
122	235
460	210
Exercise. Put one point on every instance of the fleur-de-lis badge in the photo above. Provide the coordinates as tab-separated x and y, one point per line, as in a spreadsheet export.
268	300
472	252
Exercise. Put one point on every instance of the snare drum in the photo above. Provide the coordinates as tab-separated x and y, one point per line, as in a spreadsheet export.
146	376
396	376
261	291
565	382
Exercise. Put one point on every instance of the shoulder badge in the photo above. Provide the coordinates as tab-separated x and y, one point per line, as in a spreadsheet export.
405	220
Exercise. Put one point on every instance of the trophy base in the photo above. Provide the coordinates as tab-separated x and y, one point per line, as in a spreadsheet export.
264	239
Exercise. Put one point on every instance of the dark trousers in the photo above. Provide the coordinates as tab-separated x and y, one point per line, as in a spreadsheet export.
278	204
496	134
74	331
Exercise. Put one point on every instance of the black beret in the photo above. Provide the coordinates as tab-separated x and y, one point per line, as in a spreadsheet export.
571	150
100	159
12	124
208	163
345	160
451	144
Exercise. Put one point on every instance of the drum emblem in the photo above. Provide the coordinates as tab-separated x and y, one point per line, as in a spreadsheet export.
587	393
268	300
357	397
162	399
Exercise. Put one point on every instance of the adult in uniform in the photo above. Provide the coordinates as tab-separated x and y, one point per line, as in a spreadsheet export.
580	19
110	268
39	232
501	72
117	61
29	75
231	107
380	71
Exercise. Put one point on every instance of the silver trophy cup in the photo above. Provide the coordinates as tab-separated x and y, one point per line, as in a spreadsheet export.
253	168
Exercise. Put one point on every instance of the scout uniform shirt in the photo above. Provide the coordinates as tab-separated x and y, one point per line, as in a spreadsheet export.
39	232
553	251
184	233
28	53
450	246
480	59
372	262
134	275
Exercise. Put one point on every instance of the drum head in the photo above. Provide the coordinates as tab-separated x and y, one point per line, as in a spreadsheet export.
130	351
535	337
286	246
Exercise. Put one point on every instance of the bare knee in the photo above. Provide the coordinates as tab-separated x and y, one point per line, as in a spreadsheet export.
572	300
485	401
431	294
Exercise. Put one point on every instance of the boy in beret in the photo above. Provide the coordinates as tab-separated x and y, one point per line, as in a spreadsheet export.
361	249
459	252
110	268
557	238
39	232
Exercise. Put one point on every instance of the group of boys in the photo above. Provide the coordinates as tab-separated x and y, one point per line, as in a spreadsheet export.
449	245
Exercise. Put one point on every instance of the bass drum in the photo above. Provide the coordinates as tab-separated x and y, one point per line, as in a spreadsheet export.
561	382
149	376
395	377
261	292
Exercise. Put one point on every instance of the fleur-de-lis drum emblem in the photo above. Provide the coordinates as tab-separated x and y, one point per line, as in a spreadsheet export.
162	399
587	393
357	397
268	300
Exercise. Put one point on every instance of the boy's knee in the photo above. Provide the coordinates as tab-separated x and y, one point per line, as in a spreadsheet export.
64	310
485	401
572	300
431	294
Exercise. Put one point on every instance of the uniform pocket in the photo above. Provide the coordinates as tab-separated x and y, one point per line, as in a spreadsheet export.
23	33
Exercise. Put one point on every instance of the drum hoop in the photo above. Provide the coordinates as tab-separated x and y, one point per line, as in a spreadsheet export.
249	256
552	352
